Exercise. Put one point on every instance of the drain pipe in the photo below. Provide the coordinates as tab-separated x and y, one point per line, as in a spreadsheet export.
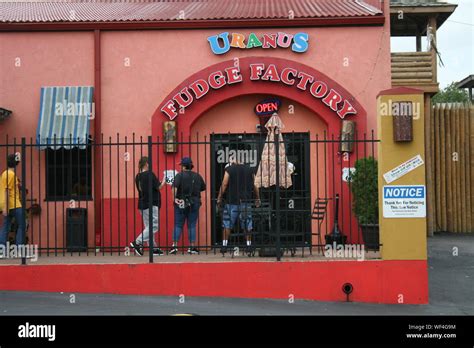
98	139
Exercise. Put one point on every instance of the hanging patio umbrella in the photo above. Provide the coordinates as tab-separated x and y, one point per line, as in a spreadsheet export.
267	169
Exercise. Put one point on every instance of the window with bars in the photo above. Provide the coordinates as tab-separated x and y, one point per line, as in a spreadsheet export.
68	174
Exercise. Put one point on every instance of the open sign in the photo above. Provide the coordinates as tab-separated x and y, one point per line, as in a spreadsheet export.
267	106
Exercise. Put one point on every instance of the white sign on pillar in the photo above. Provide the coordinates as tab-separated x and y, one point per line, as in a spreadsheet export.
407	201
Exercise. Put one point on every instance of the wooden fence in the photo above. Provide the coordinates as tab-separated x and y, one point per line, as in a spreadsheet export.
450	168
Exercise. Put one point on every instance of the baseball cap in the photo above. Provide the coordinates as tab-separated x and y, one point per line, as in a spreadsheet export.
186	161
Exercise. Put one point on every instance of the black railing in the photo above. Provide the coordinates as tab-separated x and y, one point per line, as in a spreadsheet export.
83	200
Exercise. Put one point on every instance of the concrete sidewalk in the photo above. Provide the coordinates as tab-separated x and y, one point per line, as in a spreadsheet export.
451	280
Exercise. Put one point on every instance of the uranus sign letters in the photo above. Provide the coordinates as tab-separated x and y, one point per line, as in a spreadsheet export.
223	42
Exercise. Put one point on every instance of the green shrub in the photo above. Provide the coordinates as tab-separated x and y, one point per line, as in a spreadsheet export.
364	187
451	94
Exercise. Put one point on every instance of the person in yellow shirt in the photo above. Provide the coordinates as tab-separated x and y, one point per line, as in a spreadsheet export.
10	201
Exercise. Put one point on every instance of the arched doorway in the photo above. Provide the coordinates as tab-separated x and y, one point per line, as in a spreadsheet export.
234	122
195	117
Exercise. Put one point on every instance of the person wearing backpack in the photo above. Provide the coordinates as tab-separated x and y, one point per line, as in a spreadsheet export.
142	180
187	188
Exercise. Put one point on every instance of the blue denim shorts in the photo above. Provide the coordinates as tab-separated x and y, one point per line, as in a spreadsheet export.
242	211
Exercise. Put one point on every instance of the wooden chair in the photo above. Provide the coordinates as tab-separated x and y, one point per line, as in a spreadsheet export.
318	214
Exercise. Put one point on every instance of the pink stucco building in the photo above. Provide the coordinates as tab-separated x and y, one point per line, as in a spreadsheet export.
140	56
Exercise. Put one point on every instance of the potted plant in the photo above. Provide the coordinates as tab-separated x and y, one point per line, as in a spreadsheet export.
364	187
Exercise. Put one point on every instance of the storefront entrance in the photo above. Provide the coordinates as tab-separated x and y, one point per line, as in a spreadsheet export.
295	202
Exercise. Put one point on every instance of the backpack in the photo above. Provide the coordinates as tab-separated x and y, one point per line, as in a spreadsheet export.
187	197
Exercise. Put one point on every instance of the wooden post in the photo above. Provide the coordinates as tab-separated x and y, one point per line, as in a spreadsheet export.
457	166
432	23
443	171
448	162
437	159
470	156
463	159
418	40
454	152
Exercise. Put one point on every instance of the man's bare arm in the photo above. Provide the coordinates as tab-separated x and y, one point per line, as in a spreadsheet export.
225	183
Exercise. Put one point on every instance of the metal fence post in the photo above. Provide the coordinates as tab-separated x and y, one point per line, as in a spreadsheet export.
23	197
277	192
150	199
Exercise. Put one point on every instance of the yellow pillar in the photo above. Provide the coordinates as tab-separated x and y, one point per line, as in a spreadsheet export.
402	186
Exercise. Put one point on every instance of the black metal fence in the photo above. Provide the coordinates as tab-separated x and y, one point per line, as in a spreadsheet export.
83	200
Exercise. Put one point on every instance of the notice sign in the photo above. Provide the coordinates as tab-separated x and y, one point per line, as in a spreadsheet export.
407	201
403	169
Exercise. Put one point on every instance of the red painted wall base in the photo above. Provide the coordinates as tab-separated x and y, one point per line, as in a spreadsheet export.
374	281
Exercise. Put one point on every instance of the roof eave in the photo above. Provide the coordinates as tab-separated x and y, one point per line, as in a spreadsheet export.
467	82
442	13
424	10
194	24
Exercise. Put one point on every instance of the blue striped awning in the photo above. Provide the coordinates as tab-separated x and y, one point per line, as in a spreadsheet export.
65	114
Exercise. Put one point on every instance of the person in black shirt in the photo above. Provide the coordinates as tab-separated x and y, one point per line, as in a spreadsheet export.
239	182
187	188
142	181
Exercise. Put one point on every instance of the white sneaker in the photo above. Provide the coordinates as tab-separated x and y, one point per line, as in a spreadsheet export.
174	250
